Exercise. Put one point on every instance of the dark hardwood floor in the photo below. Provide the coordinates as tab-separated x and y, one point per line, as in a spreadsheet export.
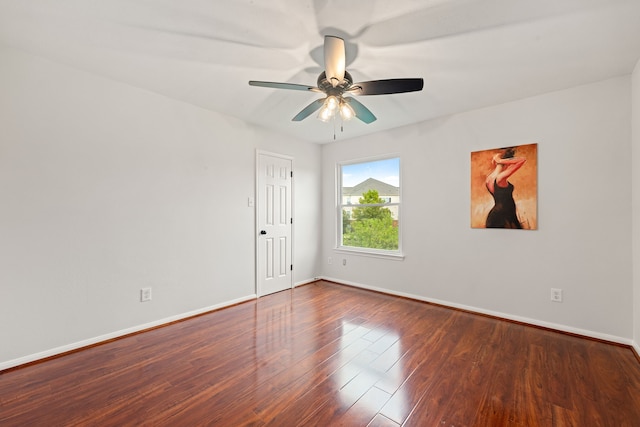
327	355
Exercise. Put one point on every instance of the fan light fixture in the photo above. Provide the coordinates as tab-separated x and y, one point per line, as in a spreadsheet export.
335	105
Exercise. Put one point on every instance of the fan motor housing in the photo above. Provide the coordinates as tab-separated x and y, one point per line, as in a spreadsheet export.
326	86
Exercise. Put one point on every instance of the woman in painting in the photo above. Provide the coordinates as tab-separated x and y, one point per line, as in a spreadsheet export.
503	214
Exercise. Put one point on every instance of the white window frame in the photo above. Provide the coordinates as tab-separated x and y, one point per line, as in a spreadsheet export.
372	252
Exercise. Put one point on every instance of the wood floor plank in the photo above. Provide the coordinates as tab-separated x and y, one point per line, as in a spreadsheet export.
382	421
465	389
420	381
326	354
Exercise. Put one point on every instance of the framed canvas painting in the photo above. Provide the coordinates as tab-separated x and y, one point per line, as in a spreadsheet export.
504	188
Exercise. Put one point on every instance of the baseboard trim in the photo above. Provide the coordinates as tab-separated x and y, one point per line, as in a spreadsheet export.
525	320
77	346
636	350
91	342
306	282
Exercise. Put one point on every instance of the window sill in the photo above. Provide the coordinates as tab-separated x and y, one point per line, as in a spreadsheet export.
398	256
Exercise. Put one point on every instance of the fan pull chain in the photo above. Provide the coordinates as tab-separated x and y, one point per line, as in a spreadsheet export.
334	128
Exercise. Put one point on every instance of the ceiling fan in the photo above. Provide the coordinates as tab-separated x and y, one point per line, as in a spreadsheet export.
335	82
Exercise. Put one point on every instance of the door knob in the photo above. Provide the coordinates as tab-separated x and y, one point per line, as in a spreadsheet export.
263	232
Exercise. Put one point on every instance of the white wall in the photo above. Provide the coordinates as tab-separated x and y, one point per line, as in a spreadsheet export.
583	244
635	109
106	189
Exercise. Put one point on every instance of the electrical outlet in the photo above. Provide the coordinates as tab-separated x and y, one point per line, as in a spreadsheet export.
330	260
556	295
145	294
344	261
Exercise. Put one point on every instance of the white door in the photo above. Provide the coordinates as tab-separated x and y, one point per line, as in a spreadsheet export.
274	223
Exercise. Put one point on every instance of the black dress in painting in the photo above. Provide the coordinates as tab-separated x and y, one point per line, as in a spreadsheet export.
503	214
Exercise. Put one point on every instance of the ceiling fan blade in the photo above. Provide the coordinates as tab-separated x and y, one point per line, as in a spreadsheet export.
334	59
386	87
291	86
308	110
361	111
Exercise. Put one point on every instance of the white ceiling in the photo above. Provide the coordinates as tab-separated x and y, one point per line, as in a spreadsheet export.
471	53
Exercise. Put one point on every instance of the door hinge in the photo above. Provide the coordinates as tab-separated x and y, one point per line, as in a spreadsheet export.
291	220
291	267
291	174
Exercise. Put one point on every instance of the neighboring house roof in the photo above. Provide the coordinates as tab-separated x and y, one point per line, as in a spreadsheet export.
382	188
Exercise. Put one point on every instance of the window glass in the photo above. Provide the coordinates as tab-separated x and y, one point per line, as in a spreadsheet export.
369	205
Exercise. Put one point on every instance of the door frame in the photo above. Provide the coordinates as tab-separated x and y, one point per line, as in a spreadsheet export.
256	229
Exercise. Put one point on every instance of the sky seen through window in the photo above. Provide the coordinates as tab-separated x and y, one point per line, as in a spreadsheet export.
387	170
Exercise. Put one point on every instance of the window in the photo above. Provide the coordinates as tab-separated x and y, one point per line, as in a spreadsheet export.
369	206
